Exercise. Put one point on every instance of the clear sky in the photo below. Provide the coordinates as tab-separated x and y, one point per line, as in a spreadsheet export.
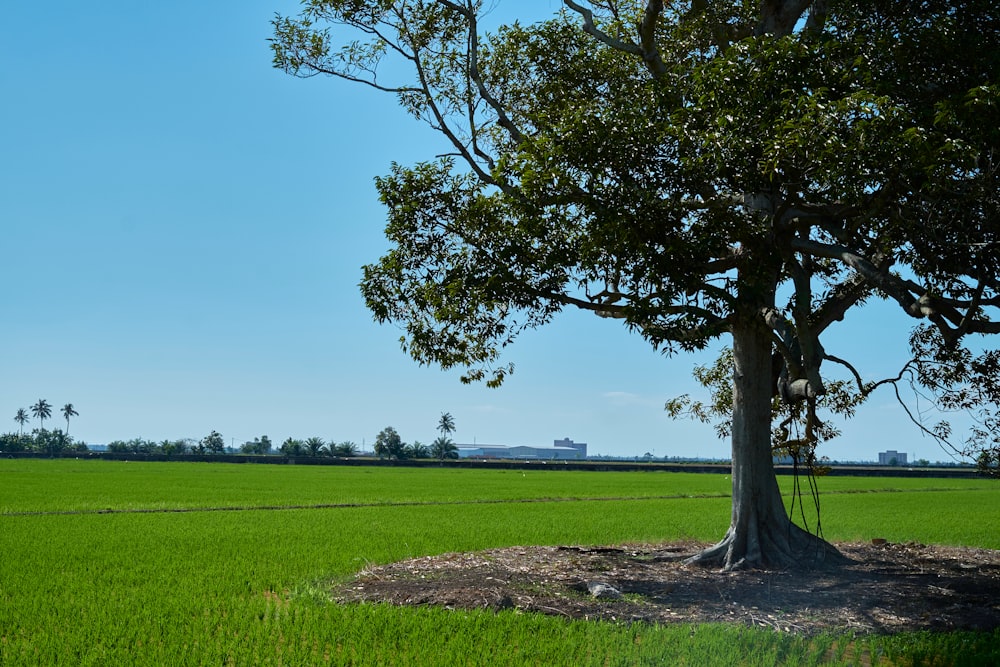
183	229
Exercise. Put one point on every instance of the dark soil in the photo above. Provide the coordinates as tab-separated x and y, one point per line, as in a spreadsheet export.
884	588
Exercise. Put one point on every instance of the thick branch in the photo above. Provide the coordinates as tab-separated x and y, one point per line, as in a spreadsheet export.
647	38
591	28
646	49
778	17
901	290
891	285
812	351
817	16
844	297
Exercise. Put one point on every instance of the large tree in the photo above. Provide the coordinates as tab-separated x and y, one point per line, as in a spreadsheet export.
751	170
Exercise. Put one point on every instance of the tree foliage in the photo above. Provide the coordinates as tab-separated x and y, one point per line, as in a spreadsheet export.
21	417
633	178
41	410
343	449
213	443
261	445
446	424
417	450
443	448
69	411
388	444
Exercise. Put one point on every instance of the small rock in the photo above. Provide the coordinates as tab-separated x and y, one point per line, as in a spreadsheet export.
504	602
601	590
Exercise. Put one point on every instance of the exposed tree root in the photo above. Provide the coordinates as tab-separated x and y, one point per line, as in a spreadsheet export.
769	547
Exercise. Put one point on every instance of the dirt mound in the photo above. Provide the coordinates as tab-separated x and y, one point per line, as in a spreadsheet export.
885	588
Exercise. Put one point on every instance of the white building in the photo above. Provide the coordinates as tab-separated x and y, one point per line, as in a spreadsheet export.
561	450
892	458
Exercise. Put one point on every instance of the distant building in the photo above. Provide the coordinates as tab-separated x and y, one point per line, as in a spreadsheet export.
578	446
562	450
892	458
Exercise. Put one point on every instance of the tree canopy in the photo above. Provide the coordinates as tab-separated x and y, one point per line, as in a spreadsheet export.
758	170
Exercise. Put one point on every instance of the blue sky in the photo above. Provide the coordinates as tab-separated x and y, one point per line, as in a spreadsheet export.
183	233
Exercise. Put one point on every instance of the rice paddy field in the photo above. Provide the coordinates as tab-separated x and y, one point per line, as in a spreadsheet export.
130	563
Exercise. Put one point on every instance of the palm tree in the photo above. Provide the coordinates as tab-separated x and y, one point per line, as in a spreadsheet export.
292	447
42	410
68	412
346	448
446	425
314	445
21	418
443	448
417	450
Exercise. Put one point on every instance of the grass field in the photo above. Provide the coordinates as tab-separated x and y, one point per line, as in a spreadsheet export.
90	576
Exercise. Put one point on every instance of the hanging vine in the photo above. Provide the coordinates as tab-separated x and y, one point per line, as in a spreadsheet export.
800	447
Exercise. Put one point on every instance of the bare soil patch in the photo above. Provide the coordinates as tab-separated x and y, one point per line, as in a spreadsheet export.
884	588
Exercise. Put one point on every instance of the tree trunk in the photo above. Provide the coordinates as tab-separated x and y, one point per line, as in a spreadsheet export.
760	535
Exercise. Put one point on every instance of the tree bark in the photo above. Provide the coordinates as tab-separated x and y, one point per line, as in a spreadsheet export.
760	535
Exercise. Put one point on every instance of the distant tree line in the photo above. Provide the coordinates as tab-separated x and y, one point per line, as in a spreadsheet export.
388	443
41	439
214	444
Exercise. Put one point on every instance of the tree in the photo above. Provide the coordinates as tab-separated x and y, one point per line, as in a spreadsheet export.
292	447
446	424
314	446
388	444
171	447
261	445
443	448
21	418
10	442
755	171
52	442
417	450
68	412
213	443
140	446
346	448
42	411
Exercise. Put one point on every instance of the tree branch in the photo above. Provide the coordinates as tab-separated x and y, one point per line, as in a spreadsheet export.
845	296
778	17
502	118
647	39
850	367
591	29
646	49
914	299
445	128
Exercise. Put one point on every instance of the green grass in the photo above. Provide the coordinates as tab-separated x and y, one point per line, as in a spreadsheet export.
245	587
98	485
